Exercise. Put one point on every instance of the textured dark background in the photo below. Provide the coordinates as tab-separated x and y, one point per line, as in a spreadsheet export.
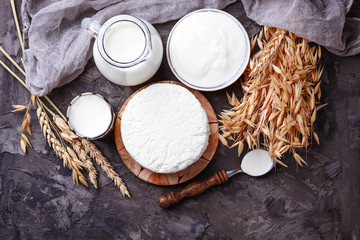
38	199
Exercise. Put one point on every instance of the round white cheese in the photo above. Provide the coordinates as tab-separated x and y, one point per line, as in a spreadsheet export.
164	128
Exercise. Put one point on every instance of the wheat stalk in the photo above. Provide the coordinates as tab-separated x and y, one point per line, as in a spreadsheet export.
100	159
84	147
73	163
12	2
75	142
69	159
281	85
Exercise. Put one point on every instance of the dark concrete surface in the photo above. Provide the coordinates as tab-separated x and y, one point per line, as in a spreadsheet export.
38	199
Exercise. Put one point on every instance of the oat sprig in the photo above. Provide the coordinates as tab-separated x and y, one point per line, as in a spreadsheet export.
25	126
281	90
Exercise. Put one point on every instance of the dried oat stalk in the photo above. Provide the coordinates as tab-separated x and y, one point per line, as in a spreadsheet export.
281	90
25	126
70	159
100	159
75	143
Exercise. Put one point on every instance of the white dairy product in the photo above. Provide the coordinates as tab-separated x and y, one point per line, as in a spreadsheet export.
127	50
125	42
208	49
90	115
257	162
164	128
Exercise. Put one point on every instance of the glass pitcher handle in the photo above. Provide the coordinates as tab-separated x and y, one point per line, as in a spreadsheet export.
91	26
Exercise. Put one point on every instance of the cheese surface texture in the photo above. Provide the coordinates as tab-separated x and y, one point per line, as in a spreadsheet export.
164	128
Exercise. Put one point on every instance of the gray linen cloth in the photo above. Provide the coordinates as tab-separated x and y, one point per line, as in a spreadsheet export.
57	49
321	21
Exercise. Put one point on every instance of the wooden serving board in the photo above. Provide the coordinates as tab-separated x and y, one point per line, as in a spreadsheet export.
181	176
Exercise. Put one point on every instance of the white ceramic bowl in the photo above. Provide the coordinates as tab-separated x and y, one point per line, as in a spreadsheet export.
220	83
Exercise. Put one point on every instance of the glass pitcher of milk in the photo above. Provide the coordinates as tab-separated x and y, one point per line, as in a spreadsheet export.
127	51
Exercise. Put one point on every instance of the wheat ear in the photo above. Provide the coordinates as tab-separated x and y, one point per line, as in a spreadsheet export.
75	142
69	161
100	159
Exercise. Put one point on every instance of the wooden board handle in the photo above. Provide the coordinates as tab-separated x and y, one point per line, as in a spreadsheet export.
193	189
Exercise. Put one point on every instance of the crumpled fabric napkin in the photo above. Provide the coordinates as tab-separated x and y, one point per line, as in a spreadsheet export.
321	21
57	49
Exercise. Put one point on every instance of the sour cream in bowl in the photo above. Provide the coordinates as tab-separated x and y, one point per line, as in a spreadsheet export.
208	49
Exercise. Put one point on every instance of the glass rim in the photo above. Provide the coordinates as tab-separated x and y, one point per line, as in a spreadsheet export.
109	127
104	31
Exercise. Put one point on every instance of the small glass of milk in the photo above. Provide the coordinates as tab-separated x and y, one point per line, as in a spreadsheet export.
208	49
127	51
90	116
